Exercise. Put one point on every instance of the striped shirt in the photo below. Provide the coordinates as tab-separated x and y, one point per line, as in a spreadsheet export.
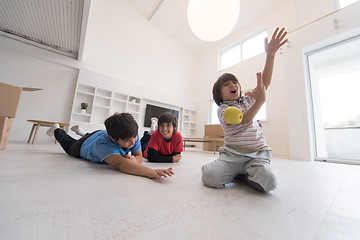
247	137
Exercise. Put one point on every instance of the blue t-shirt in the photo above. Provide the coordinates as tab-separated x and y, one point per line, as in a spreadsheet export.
99	146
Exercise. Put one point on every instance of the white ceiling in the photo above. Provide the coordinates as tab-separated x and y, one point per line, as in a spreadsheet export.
169	16
56	25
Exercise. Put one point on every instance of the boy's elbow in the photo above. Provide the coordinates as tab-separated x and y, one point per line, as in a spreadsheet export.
114	161
152	156
119	166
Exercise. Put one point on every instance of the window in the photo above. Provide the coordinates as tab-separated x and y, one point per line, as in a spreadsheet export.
247	49
345	3
261	115
253	46
230	57
213	113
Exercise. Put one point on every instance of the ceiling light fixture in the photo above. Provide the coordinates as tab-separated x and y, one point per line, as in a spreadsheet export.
212	20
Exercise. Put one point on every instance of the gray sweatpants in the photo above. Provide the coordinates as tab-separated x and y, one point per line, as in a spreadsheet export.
255	168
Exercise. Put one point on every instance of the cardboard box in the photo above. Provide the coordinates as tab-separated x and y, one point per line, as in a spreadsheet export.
209	146
214	130
5	127
9	103
9	99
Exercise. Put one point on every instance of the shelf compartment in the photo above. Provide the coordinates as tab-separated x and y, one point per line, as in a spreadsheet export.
133	107
78	117
135	115
133	99
103	93
119	106
120	97
83	97
102	102
98	106
86	89
186	112
99	115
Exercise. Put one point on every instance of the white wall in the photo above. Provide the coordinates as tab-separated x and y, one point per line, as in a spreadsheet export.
120	44
314	36
50	104
288	129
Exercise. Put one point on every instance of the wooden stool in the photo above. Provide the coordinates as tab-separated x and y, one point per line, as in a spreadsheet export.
38	123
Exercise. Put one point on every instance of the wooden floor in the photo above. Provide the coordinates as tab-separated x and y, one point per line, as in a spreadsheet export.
45	194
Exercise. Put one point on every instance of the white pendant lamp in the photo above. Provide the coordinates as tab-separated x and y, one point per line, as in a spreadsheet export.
211	20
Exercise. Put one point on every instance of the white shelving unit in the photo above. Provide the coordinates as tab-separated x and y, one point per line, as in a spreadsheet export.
102	103
193	123
188	127
133	107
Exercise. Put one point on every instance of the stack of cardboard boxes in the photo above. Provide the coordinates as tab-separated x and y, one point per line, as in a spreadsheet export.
213	131
9	101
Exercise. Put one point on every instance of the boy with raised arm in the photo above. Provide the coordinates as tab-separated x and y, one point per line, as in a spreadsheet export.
245	155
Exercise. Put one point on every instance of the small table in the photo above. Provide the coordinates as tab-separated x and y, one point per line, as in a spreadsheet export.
39	123
215	141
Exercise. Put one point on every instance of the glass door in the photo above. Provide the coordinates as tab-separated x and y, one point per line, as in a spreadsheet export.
335	91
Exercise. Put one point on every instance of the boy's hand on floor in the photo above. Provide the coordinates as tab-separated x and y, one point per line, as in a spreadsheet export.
159	173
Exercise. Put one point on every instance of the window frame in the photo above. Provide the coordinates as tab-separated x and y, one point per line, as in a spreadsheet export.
225	50
249	38
239	43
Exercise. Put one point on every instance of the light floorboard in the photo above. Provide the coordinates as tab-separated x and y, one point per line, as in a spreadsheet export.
46	194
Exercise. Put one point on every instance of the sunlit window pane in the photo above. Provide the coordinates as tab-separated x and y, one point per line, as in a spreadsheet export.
253	46
345	3
341	110
214	117
230	57
261	115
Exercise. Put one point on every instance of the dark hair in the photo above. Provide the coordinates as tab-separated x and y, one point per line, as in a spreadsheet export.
217	86
121	126
167	117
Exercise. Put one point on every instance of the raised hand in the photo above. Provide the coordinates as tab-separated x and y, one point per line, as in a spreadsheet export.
258	93
276	42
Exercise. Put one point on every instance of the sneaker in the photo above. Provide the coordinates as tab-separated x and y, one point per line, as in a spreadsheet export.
154	125
78	130
50	131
